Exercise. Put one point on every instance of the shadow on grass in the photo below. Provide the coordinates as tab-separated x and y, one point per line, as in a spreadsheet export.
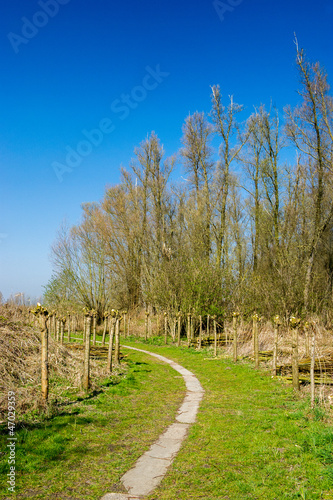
52	409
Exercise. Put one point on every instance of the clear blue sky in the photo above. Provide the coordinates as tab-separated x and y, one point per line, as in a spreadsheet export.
68	64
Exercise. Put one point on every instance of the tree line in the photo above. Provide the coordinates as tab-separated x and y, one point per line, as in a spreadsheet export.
243	230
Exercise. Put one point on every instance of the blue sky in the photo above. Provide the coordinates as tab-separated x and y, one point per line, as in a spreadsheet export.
70	67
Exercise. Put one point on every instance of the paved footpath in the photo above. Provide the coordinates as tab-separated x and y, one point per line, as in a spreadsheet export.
150	469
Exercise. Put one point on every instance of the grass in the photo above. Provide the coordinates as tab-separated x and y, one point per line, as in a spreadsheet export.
253	438
83	452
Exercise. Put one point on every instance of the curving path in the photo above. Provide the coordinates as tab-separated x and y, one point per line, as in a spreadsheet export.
150	469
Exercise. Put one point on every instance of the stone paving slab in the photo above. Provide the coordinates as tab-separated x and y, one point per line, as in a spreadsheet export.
187	412
119	496
151	467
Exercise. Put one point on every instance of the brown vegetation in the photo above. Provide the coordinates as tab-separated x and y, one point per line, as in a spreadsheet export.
20	364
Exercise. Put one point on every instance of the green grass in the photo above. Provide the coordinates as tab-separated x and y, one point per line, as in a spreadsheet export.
252	440
83	452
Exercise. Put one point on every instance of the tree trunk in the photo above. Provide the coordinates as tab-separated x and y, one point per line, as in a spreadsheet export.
308	280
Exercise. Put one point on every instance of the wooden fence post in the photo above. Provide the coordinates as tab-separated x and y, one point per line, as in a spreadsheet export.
312	367
84	330
106	316
117	341
215	336
68	327
294	323
178	333
94	326
62	328
255	319
307	339
57	329
200	332
86	362
188	329
165	327
235	339
277	323
146	324
45	354
158	324
125	322
173	322
111	338
150	328
53	324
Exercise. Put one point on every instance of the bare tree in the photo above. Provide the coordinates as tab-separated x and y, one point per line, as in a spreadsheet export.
310	127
